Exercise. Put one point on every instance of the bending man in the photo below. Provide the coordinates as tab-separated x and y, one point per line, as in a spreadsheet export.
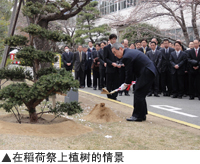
139	64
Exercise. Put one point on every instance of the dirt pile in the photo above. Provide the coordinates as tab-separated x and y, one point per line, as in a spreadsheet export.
102	114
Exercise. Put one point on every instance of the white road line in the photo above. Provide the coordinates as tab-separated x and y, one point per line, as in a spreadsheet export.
172	109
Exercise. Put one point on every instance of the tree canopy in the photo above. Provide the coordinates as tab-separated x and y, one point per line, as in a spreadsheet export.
140	31
86	25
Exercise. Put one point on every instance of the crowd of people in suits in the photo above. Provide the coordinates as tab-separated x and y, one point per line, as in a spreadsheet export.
177	67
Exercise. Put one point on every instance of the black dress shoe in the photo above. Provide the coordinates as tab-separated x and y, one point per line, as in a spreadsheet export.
199	97
156	95
174	96
94	88
132	118
127	94
144	118
149	94
179	97
191	98
120	93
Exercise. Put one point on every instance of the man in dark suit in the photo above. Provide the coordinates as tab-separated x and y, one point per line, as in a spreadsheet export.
155	40
137	44
112	72
194	70
144	47
165	69
67	58
79	65
88	64
186	76
95	65
178	67
155	56
136	62
102	66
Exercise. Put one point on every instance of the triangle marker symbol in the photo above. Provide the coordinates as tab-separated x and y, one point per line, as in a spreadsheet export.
6	158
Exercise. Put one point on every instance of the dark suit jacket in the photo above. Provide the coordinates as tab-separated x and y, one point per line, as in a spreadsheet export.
187	64
88	61
101	59
94	55
77	64
109	59
180	61
135	62
165	64
142	50
193	61
158	47
155	58
68	58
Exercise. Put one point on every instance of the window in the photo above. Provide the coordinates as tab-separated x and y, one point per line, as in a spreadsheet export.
112	8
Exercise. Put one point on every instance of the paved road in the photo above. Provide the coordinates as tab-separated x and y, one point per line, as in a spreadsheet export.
181	109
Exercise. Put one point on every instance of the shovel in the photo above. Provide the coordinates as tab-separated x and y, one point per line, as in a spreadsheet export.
105	91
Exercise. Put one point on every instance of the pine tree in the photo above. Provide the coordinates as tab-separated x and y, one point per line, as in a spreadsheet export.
86	28
5	14
141	31
46	81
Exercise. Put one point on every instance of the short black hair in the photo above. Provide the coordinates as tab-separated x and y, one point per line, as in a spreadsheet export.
66	46
178	43
103	43
137	41
144	40
97	44
165	40
132	43
153	42
122	41
112	36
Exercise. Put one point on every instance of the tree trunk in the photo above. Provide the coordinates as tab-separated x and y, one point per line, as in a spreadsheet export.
183	26
194	21
32	115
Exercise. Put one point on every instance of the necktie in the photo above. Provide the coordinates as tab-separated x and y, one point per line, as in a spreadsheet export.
196	53
80	56
144	51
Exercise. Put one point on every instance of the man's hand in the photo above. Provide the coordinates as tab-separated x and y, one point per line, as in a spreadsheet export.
123	87
105	64
176	66
68	64
98	63
114	64
196	67
118	66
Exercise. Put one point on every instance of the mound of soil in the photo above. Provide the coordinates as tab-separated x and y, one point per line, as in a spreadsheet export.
102	114
60	127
